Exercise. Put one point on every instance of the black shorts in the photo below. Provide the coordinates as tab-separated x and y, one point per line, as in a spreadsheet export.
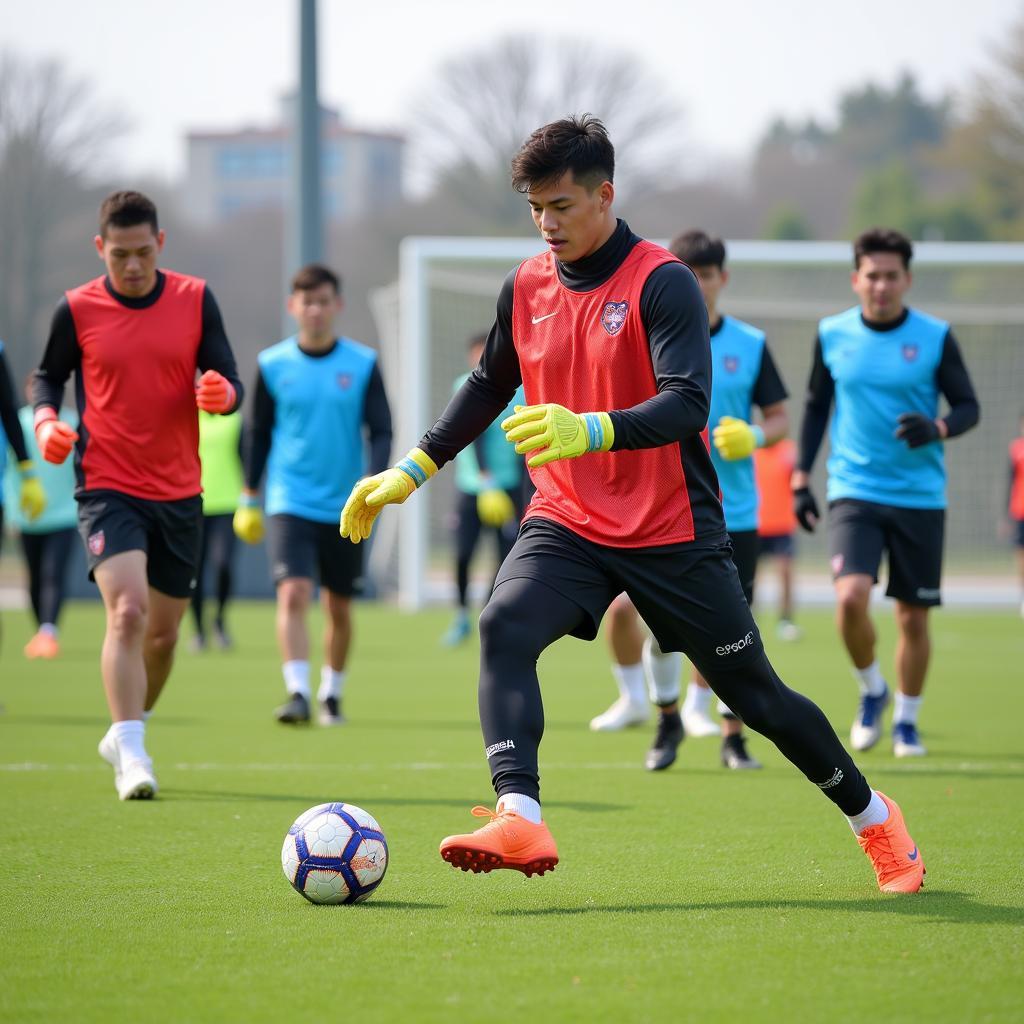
780	545
169	532
746	546
1018	533
303	549
859	531
688	594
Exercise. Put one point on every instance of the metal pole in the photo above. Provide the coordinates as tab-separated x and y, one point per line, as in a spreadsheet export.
308	242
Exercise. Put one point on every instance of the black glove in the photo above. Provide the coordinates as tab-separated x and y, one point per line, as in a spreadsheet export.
916	429
805	508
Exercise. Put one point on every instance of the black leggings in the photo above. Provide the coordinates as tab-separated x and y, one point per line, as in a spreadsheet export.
46	555
216	549
524	617
467	534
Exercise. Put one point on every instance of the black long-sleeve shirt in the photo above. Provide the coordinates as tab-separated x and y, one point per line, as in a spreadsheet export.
9	412
951	378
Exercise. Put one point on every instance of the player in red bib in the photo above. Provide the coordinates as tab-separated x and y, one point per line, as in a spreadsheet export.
136	340
1015	502
627	500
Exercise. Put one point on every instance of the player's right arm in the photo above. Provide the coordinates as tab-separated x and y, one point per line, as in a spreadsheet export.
821	389
61	358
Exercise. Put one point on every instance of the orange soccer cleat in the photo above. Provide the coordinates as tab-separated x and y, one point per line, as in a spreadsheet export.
42	645
895	857
508	840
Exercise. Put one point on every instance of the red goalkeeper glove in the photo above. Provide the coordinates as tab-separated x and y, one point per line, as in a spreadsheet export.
214	393
55	439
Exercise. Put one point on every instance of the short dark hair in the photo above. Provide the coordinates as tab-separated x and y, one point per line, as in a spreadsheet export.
312	275
882	240
474	340
697	248
578	143
125	209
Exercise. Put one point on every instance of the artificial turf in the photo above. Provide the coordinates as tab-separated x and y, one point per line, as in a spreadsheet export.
693	894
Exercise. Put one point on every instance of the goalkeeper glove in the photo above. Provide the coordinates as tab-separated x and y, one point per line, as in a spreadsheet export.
215	393
917	429
736	439
494	507
55	439
553	432
391	487
805	508
33	497
247	521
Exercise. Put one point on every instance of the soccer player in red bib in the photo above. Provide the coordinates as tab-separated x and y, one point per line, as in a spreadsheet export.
1015	502
136	339
608	334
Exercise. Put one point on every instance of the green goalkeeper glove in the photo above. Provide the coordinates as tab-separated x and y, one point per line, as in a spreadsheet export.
494	507
32	497
553	432
735	439
391	487
247	521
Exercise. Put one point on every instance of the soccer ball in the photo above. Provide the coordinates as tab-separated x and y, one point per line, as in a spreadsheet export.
335	853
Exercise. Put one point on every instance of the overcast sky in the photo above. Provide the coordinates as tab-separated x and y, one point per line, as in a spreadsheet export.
217	64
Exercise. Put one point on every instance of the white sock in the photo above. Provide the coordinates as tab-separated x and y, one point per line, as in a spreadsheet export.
48	629
331	683
876	813
525	806
146	715
906	709
130	738
630	681
698	698
870	680
663	672
296	677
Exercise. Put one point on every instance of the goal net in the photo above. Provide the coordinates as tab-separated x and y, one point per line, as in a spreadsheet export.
447	291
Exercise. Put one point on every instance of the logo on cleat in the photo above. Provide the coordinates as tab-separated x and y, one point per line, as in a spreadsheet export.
913	854
497	748
837	777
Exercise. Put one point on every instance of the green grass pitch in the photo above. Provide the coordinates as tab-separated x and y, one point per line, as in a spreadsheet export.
695	894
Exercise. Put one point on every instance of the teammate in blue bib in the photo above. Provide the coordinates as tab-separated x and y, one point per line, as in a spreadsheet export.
884	366
319	398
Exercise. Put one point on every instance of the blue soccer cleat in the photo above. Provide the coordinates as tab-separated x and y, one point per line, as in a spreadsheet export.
867	726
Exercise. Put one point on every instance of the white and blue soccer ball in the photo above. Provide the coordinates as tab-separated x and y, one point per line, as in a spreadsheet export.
335	853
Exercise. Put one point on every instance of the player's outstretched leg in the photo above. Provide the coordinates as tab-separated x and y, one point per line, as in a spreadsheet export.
522	618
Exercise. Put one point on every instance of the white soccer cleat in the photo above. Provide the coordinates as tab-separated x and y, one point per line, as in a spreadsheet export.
137	781
621	715
699	724
109	752
788	631
905	740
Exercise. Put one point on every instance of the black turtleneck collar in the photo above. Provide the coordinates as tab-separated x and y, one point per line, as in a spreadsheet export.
592	271
140	301
888	325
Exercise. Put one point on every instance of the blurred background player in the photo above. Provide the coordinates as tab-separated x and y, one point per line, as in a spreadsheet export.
885	365
776	524
220	452
488	485
315	394
135	338
744	375
45	541
26	494
1015	502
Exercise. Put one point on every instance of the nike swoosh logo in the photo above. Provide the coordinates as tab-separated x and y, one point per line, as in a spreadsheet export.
913	854
547	316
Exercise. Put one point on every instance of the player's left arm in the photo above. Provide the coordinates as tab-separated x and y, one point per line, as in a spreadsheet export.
377	420
219	389
954	382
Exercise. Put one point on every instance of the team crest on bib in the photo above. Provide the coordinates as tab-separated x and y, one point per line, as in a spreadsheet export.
731	363
97	542
344	381
838	561
910	353
613	316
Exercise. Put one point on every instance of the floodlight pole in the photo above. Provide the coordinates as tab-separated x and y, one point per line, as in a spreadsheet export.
307	240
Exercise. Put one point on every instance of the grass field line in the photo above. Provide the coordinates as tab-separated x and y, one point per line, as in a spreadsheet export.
925	766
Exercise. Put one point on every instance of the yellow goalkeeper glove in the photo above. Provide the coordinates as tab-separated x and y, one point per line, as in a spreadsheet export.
553	432
736	439
391	487
33	497
494	507
248	519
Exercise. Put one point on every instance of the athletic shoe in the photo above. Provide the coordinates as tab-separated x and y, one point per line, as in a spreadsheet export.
508	840
197	644
669	735
294	710
109	752
458	632
42	645
735	756
699	723
905	741
330	712
621	715
895	857
133	780
223	637
867	726
788	631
